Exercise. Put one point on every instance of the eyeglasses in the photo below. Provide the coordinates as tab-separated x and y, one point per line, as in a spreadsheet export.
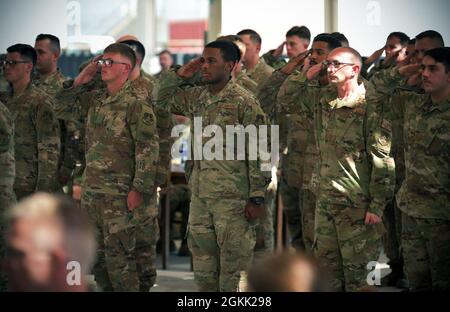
109	62
12	62
335	64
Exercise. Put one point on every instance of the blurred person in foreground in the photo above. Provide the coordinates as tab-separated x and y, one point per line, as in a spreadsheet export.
286	272
50	246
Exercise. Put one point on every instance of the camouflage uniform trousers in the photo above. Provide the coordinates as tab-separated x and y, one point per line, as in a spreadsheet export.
147	234
344	245
426	250
115	268
391	240
265	232
290	197
221	241
307	204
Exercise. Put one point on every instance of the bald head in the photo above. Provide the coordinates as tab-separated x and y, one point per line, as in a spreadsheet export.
237	41
127	37
349	54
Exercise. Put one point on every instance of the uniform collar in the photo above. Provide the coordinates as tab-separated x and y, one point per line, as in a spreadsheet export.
355	100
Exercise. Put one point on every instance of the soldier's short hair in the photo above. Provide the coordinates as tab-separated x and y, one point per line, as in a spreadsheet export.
332	42
25	50
137	47
300	31
341	37
433	35
54	42
123	50
229	50
404	38
440	55
254	36
235	39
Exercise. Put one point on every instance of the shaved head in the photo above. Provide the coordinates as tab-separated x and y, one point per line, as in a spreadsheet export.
350	54
126	38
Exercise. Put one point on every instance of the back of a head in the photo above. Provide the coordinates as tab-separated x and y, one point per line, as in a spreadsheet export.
54	42
137	47
341	37
236	40
124	50
229	50
300	31
26	51
434	36
332	42
254	36
284	273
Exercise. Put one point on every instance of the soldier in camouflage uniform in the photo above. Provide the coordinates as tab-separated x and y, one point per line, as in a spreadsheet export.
264	228
37	142
255	68
424	193
392	215
7	169
299	198
48	78
118	185
165	61
297	42
227	195
147	231
4	84
355	171
395	49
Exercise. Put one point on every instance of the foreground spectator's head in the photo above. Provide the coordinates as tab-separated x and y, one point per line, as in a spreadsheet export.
50	246
285	273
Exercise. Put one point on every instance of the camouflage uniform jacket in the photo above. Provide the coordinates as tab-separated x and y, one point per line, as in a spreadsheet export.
239	179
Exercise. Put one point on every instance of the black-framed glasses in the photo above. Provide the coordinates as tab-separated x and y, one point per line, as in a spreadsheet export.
13	62
335	64
109	62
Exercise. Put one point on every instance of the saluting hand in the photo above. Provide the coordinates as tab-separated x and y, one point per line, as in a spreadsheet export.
188	70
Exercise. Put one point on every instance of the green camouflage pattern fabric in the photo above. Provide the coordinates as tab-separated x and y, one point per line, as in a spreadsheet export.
115	267
37	141
220	238
7	169
424	190
233	105
7	162
426	251
121	144
355	175
426	136
221	241
52	84
303	154
289	182
260	73
272	61
246	82
144	88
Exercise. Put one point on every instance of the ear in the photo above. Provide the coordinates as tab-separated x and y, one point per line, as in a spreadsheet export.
230	66
29	67
356	69
258	48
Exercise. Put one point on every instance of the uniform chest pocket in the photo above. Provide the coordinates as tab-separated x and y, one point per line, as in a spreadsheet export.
437	144
226	116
